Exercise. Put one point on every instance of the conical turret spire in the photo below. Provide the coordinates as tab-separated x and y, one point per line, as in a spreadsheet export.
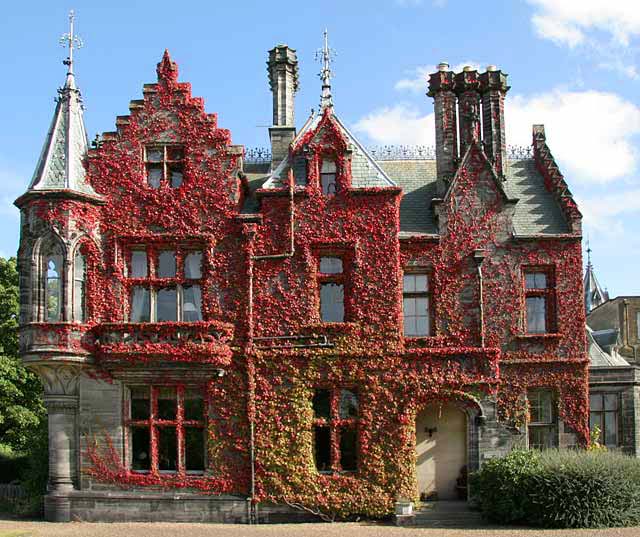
60	166
593	293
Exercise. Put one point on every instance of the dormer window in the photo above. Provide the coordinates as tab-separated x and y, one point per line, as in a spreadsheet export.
328	177
164	165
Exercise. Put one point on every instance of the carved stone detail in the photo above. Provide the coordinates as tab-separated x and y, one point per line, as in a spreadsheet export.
58	379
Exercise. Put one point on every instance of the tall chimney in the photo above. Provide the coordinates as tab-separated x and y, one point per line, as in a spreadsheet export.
441	86
467	85
493	88
283	80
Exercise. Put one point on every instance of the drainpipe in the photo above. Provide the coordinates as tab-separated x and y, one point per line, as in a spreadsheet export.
478	257
249	345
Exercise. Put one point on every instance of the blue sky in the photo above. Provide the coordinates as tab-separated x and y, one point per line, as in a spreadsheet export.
573	65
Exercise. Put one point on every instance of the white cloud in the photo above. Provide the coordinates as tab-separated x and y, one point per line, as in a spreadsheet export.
419	77
398	125
604	213
568	21
590	133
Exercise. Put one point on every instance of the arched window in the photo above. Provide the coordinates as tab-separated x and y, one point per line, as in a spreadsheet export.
53	269
79	288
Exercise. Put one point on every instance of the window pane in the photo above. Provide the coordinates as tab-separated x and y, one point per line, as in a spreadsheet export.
167	404
322	404
595	401
191	303
540	406
409	283
175	175
535	280
422	284
194	449
348	449
422	326
140	449
536	315
330	265
79	266
541	437
328	181
154	175
409	307
611	401
155	154
167	449
422	305
595	420
348	404
610	429
166	305
193	405
410	326
78	301
54	288
322	448
300	170
140	307
193	265
140	408
175	152
138	264
332	302
166	264
328	166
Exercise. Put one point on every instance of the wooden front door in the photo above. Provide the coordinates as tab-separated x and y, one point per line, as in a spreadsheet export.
441	450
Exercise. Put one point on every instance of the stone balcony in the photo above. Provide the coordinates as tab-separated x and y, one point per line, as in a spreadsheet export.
55	342
204	342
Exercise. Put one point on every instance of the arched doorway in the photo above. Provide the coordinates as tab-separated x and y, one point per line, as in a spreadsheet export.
441	450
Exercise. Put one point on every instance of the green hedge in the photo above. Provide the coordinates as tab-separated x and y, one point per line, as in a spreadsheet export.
560	488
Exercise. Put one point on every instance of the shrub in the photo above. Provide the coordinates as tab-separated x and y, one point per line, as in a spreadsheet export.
563	489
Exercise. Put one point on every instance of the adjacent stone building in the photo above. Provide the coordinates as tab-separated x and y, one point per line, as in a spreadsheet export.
325	332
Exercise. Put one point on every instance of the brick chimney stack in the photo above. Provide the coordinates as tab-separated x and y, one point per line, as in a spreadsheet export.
283	80
441	88
493	88
467	84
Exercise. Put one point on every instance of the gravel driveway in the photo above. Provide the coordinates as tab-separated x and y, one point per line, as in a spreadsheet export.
85	529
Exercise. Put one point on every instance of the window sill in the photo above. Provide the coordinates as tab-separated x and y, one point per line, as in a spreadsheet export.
546	335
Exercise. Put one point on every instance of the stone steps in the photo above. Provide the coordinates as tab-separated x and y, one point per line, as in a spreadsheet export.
441	514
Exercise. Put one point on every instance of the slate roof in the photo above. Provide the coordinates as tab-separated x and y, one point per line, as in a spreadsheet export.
536	212
598	357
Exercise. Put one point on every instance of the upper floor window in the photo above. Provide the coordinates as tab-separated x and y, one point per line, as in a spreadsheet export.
79	287
539	296
331	280
53	269
541	426
416	302
166	429
603	414
328	173
335	420
162	292
164	165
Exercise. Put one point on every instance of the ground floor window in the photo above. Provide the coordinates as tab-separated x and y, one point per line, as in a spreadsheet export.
542	420
603	414
166	428
335	430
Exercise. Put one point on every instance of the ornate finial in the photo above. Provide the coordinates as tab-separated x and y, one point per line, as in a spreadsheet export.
71	41
325	55
167	69
588	253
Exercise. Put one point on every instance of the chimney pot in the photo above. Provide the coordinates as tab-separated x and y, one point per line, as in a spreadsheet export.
491	68
468	68
442	66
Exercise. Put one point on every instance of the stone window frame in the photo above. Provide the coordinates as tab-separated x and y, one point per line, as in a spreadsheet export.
328	159
603	419
167	164
154	284
153	424
428	272
548	293
79	314
336	424
548	426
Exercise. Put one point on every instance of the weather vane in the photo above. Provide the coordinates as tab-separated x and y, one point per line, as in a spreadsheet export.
326	55
72	41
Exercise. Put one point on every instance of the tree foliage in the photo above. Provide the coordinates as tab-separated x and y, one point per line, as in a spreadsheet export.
21	408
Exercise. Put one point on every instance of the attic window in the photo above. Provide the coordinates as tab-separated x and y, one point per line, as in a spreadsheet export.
164	164
328	177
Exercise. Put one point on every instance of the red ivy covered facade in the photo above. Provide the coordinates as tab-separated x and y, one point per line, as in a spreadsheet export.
260	350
